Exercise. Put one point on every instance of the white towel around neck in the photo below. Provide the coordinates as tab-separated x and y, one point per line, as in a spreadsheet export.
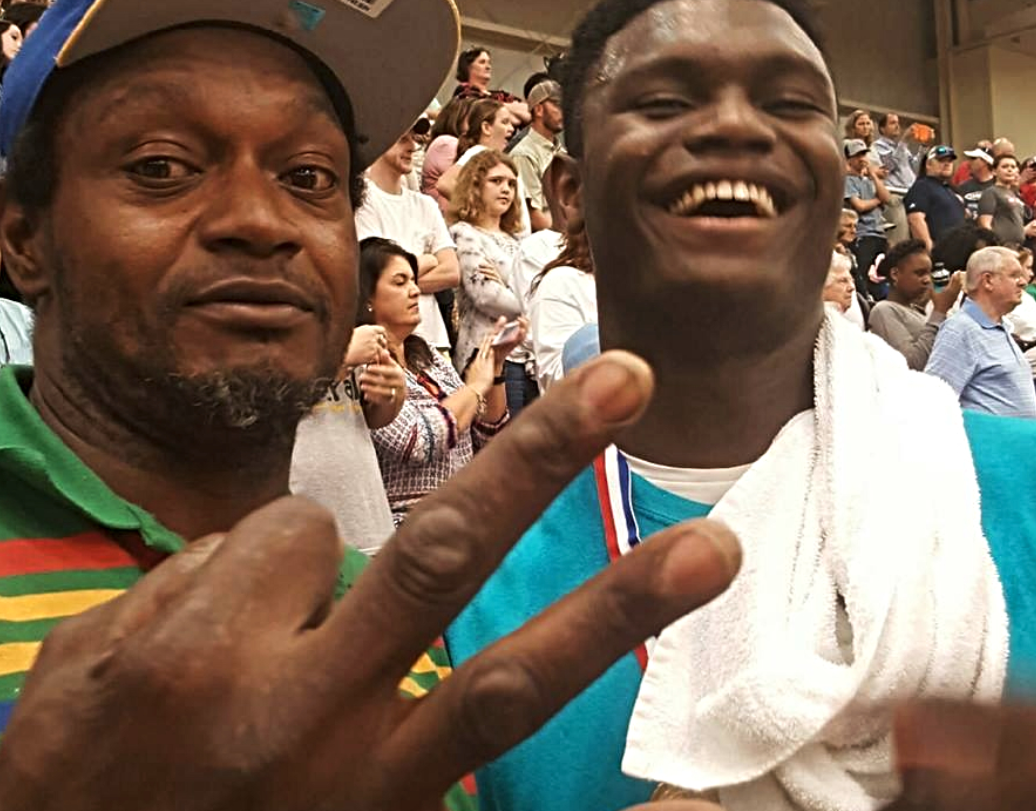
871	497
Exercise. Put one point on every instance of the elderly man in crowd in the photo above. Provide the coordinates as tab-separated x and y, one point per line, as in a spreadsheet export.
975	352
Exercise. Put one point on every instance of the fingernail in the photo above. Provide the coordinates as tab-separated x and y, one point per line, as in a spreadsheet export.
691	564
615	387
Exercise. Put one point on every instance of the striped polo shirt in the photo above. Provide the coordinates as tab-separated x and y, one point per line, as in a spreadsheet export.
68	543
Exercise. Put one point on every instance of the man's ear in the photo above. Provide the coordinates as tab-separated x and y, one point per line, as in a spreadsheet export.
566	191
20	248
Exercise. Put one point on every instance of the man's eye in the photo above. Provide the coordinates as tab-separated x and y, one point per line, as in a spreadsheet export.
160	169
663	106
792	106
311	178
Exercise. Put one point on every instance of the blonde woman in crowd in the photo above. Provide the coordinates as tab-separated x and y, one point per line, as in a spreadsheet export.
487	219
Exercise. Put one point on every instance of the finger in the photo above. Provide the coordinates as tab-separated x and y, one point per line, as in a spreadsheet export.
502	696
457	536
278	567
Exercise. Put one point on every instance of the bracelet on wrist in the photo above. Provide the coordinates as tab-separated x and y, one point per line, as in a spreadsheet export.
481	408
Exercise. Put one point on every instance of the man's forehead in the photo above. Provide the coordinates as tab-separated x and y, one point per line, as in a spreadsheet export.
720	26
160	66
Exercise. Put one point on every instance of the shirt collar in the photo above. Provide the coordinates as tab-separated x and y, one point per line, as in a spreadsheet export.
32	450
544	143
977	313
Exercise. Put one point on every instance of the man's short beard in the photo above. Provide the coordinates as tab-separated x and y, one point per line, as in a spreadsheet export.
261	402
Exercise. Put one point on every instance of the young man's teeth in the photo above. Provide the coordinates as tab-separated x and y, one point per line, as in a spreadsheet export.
725	190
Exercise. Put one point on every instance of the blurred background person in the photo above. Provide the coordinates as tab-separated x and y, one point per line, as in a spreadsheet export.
1001	209
444	419
474	75
24	15
865	193
933	206
15	333
975	352
900	164
981	162
441	153
10	43
411	219
840	294
533	153
489	127
562	299
860	126
486	210
903	320
333	461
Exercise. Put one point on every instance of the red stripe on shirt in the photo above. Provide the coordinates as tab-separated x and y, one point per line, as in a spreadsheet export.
89	551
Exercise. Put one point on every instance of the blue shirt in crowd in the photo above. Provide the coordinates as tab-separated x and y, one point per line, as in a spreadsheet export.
983	365
863	189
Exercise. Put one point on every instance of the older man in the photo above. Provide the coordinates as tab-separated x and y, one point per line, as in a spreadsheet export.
179	213
974	352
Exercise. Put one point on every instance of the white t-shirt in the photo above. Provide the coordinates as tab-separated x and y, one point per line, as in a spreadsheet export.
705	486
526	228
414	221
564	301
1021	321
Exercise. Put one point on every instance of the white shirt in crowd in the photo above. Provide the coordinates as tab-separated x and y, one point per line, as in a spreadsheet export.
564	301
412	220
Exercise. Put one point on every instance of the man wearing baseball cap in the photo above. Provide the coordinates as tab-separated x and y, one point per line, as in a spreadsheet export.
980	162
865	193
933	207
536	150
179	214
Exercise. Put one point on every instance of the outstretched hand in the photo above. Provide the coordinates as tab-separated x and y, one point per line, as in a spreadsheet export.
966	757
229	679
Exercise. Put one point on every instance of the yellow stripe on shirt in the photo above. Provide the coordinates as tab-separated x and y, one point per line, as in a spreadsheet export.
17	657
57	604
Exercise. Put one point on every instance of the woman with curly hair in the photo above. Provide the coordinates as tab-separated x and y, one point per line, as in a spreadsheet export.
489	127
487	213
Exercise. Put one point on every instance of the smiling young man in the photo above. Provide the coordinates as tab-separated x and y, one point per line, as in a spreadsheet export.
709	173
178	212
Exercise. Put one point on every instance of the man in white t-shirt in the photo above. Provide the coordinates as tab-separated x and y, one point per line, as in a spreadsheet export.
413	220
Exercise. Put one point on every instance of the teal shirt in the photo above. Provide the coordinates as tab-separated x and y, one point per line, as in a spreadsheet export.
573	763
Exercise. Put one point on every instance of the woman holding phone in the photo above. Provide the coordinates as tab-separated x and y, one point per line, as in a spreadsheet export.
444	419
486	208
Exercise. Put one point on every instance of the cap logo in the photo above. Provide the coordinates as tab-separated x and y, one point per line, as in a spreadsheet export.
308	16
371	8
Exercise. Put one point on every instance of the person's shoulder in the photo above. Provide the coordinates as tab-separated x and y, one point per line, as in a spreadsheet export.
563	278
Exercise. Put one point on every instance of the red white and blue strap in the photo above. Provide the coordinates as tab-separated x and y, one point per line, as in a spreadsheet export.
621	531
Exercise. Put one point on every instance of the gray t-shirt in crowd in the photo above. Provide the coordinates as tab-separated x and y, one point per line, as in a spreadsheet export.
1008	210
335	465
863	188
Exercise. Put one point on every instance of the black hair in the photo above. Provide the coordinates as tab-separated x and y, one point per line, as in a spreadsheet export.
532	81
466	60
955	247
24	14
32	166
897	253
608	18
375	254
